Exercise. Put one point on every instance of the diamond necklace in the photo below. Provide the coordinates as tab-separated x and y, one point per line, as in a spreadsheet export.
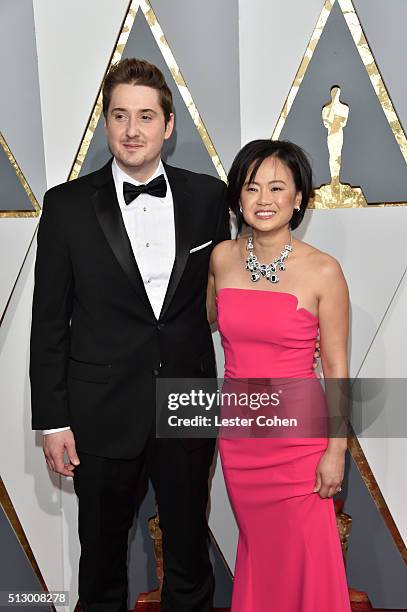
269	271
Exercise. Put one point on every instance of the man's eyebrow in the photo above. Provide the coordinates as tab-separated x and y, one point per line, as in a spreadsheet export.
125	110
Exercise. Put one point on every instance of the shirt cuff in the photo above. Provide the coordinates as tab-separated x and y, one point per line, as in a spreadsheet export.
45	432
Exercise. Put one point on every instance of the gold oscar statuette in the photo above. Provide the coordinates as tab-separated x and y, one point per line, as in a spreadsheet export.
156	534
336	194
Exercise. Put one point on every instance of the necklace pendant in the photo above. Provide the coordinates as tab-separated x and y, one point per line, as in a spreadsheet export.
268	271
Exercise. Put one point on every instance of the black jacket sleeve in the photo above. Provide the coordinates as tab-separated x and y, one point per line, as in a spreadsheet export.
223	227
51	314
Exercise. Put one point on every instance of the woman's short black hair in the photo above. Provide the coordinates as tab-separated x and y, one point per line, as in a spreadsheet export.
252	156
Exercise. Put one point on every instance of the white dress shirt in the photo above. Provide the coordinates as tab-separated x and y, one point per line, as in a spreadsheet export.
149	222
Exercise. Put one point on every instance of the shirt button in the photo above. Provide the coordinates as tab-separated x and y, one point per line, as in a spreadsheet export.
147	281
147	244
145	209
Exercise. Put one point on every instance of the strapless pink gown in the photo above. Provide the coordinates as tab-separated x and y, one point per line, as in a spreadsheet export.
289	557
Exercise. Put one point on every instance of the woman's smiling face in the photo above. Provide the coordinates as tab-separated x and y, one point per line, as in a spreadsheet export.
269	200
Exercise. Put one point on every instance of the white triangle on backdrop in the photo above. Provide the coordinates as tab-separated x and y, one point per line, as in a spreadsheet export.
273	38
71	63
34	493
386	359
16	235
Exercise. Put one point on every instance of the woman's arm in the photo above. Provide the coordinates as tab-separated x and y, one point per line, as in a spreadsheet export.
333	312
218	263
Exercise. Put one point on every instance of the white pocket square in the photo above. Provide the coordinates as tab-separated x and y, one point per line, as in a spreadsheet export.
201	246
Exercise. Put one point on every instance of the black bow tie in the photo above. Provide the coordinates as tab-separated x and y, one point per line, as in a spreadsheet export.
157	187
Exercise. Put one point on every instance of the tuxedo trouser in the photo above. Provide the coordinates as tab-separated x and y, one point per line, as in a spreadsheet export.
107	491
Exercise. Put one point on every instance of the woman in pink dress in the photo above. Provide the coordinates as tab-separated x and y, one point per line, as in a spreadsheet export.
273	293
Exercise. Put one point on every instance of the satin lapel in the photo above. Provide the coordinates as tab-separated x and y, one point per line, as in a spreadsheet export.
111	221
183	219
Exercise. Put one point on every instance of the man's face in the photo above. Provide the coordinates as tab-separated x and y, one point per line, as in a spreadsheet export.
136	130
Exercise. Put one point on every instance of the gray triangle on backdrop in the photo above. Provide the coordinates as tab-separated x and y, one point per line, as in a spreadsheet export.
20	103
373	563
13	195
371	157
185	147
384	24
16	571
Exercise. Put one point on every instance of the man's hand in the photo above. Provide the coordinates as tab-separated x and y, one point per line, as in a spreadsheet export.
54	446
317	354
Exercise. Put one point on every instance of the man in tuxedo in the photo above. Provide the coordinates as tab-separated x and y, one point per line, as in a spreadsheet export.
119	301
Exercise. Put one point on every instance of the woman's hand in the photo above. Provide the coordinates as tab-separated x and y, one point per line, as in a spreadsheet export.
329	473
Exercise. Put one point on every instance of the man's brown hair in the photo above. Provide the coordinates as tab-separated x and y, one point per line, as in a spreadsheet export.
137	72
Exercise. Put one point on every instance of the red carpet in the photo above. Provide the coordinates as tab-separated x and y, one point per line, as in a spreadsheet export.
356	607
155	607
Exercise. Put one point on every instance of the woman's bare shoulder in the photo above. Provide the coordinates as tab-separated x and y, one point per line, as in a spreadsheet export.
224	250
323	262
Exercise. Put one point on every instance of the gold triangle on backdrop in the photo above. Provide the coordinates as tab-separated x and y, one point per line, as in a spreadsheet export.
182	87
336	194
24	183
388	109
366	55
173	67
378	85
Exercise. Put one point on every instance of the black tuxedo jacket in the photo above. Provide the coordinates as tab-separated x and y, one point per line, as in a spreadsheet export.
96	345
